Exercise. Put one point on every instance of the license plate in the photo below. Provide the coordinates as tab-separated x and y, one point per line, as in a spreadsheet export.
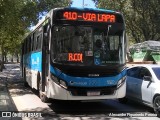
93	93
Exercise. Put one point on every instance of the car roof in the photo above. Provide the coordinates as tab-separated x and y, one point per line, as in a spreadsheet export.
145	65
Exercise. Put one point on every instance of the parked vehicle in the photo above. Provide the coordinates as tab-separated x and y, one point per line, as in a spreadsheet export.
143	85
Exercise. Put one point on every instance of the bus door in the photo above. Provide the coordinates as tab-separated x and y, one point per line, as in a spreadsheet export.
45	54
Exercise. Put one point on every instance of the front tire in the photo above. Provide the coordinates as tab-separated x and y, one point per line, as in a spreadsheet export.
24	77
156	105
43	97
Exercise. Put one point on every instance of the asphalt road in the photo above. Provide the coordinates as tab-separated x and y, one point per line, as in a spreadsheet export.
27	100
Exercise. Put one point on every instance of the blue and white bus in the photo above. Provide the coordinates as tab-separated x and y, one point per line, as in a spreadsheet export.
77	54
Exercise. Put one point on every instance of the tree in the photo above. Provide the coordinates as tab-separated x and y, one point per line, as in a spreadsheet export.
142	17
17	16
147	12
11	27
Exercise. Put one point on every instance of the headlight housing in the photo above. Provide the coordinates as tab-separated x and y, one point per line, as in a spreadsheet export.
58	81
63	84
121	82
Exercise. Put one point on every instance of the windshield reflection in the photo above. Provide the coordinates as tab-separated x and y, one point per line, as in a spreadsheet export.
87	45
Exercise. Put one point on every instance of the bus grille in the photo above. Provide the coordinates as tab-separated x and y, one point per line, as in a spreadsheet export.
85	73
82	91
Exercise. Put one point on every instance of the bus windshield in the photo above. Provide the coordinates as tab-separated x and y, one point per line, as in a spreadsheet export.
86	45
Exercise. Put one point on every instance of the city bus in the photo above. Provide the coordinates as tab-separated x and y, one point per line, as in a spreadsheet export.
76	54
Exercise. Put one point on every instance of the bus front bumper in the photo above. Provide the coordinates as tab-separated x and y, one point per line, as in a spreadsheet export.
57	92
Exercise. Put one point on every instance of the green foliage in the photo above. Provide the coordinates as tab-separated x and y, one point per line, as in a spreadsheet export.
17	16
141	16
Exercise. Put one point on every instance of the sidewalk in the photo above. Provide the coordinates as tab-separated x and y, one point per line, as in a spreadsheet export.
6	102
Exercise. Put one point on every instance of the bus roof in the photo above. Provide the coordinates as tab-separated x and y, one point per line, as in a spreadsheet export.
96	9
70	8
92	9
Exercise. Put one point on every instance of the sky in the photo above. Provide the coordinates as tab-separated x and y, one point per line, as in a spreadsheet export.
87	3
76	3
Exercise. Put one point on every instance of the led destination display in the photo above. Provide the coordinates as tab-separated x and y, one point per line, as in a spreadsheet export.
88	16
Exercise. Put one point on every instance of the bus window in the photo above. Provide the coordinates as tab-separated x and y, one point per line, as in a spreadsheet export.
71	39
32	47
38	42
28	45
114	41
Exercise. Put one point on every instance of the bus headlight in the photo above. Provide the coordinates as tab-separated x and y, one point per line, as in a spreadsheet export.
60	82
121	82
63	84
55	79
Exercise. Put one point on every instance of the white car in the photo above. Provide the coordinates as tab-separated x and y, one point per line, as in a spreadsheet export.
143	85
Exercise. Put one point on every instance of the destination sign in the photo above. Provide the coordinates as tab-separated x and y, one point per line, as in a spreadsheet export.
88	16
75	57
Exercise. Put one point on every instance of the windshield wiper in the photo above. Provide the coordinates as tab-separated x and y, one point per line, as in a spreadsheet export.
109	26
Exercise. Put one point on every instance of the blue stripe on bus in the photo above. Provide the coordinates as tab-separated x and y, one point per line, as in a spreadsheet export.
33	61
86	81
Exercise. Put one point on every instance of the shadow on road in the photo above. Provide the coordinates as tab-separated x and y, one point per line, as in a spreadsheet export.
101	107
60	109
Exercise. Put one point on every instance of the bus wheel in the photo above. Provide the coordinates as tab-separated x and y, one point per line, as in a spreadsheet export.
42	95
26	84
24	77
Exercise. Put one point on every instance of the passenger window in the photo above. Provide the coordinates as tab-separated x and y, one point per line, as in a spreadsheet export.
38	42
32	46
144	72
28	45
29	49
133	72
